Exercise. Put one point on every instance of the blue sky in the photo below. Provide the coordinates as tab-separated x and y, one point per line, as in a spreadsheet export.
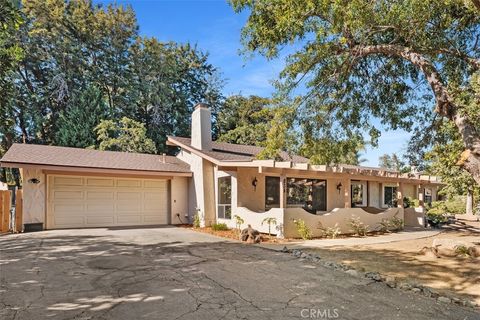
215	28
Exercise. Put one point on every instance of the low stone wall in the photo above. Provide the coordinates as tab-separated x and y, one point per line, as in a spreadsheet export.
255	219
339	216
414	217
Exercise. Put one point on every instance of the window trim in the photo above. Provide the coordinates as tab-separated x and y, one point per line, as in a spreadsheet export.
389	185
224	205
364	193
275	205
325	198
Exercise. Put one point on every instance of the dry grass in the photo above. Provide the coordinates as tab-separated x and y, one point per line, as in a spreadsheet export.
454	275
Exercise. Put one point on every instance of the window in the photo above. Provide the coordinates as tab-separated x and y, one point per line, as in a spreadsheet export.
310	194
357	192
428	196
272	192
390	196
224	209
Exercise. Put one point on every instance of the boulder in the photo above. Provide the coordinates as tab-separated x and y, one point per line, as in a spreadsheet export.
250	235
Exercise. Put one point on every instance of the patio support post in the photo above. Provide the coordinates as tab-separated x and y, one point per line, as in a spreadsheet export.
283	197
421	197
400	195
347	196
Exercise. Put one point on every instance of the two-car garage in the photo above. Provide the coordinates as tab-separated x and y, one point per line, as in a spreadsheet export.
96	201
83	188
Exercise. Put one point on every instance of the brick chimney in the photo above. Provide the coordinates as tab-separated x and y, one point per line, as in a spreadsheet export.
202	127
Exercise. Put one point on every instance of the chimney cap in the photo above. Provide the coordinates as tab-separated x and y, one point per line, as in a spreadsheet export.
201	106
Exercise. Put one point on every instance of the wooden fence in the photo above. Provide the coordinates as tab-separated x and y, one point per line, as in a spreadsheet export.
6	206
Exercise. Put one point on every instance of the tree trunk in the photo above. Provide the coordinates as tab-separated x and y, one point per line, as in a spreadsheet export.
469	204
470	159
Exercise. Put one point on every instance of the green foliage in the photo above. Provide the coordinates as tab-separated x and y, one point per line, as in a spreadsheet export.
196	220
330	232
462	250
270	221
86	62
279	136
219	227
302	229
76	125
452	206
410	203
127	135
238	221
397	224
436	217
358	227
363	61
330	151
245	120
393	162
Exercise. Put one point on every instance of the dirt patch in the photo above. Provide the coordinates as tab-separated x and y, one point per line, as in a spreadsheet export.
234	234
455	275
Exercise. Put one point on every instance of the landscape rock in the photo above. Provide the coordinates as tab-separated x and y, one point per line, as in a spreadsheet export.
416	290
444	299
352	272
373	275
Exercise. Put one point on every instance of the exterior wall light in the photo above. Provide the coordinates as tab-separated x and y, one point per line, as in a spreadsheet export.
34	181
254	183
339	187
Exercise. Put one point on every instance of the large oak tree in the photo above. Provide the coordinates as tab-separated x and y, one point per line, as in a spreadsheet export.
403	62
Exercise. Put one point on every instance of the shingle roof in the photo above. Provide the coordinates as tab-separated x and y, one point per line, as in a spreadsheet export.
88	158
223	151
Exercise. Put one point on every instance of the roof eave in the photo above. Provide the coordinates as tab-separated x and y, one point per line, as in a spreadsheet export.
157	173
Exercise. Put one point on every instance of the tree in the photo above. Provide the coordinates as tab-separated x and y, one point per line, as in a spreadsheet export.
378	59
245	120
322	149
279	137
77	123
393	162
73	48
127	135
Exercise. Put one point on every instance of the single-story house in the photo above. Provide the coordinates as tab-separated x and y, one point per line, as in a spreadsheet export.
80	188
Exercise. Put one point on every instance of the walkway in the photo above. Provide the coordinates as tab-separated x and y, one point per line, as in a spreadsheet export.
353	241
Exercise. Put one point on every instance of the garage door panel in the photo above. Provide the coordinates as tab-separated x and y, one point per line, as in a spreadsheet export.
68	221
68	181
154	183
129	183
68	195
93	208
96	220
76	202
128	196
100	195
60	208
98	182
129	219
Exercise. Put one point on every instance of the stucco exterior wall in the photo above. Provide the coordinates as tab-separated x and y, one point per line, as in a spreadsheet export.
335	199
339	217
248	196
414	217
179	198
374	194
208	192
33	196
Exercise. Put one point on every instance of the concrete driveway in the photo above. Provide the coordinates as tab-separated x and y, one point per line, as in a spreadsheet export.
174	273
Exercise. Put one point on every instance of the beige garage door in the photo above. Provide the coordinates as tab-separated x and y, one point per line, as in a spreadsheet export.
82	202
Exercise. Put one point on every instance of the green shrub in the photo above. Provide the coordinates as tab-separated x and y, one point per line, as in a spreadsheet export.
410	203
384	226
270	221
452	206
302	229
219	227
396	224
196	220
358	227
331	232
238	222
